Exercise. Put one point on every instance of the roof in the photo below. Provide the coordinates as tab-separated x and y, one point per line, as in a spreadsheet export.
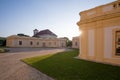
45	32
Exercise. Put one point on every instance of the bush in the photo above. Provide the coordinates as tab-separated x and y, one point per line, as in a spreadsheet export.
2	41
2	50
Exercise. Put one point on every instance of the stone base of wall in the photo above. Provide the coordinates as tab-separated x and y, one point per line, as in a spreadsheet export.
113	62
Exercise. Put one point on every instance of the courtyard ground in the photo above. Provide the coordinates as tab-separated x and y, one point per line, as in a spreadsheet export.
12	68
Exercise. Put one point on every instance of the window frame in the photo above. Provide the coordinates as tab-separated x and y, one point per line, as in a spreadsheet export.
117	43
114	43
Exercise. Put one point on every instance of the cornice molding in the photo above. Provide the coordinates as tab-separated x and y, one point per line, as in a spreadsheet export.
98	18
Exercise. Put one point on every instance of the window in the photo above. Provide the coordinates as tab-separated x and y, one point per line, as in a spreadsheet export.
75	43
31	43
44	45
62	44
37	43
119	40
49	43
20	42
119	4
55	43
117	43
115	6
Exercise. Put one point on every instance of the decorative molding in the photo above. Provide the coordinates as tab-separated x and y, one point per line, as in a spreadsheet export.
99	18
107	8
91	13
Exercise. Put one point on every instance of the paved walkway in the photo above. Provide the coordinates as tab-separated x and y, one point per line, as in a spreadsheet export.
11	68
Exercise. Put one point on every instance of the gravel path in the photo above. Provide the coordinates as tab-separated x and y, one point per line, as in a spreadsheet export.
11	68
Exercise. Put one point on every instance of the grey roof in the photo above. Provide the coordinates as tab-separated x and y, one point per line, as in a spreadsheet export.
44	32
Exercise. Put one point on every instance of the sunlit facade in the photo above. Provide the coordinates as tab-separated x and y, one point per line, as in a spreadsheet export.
75	42
43	38
100	38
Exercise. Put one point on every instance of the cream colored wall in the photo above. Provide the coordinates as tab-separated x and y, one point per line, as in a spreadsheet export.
84	44
91	42
9	42
53	42
108	40
75	42
97	39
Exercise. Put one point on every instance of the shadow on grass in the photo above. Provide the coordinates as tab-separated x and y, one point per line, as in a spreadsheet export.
62	66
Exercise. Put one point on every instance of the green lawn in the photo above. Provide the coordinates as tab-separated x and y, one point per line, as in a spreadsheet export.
62	66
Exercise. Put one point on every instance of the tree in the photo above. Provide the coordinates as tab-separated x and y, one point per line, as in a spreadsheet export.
69	42
2	41
23	35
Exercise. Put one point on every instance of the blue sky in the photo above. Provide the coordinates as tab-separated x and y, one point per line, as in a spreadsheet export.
60	16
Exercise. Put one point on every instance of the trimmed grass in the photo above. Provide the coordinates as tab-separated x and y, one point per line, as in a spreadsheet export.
62	66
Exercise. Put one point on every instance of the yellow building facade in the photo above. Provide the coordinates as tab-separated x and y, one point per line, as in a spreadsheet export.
100	38
75	42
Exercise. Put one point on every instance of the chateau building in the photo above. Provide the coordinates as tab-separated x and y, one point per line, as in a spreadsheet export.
44	38
75	42
100	38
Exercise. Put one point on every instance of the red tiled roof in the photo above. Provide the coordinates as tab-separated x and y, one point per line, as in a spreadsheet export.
44	32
